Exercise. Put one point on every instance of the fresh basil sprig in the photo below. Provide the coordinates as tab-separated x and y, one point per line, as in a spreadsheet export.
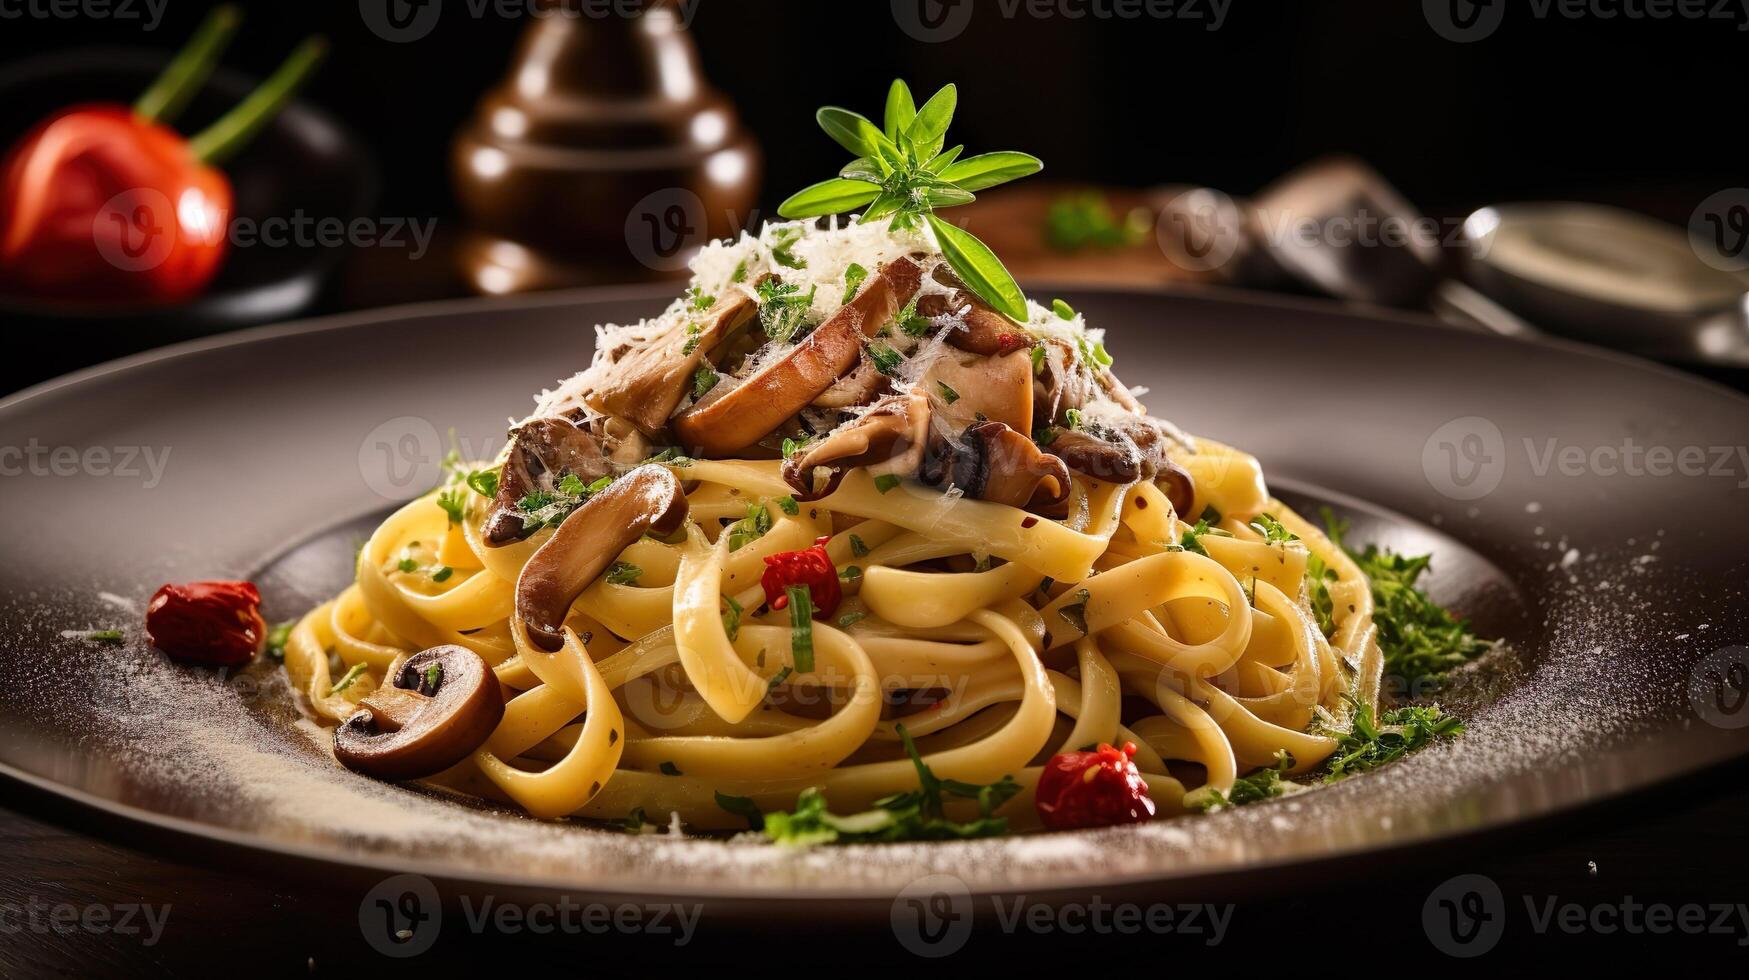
904	173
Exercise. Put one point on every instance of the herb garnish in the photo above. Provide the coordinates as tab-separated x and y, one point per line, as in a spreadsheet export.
623	573
348	680
857	547
752	528
783	310
788	505
801	627
902	172
917	815
948	395
886	482
1375	741
742	806
781	253
854	277
886	360
109	636
703	380
732	618
1271	529
277	638
669	769
454	503
1082	220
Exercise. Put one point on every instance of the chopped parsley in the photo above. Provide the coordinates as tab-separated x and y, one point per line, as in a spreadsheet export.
801	627
1044	435
854	277
442	575
1264	784
1271	529
948	395
886	482
886	360
407	565
703	380
778	678
1192	540
348	680
751	528
732	618
784	240
454	503
277	638
850	572
699	300
783	310
115	636
793	446
1420	639
917	815
744	807
484	482
857	548
740	272
1075	613
432	679
1318	579
1375	741
1073	417
789	506
850	619
623	573
910	324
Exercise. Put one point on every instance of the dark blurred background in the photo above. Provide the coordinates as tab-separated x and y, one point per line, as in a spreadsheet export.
1626	111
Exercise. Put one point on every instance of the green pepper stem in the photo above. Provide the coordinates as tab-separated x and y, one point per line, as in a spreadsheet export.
172	90
236	128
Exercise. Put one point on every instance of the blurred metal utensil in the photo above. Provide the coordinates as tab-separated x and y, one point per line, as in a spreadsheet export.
1610	277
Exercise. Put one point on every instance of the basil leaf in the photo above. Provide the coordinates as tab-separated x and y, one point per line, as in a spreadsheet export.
980	269
989	169
851	130
901	108
829	197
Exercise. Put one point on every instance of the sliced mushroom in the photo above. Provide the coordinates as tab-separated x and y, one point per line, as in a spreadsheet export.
859	387
985	331
645	384
889	440
623	442
995	463
648	499
542	451
965	389
738	418
442	705
1125	450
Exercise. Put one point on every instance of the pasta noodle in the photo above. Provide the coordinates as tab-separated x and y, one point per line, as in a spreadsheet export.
995	634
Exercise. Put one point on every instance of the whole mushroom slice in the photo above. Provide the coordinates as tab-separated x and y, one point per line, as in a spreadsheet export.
737	419
995	463
648	499
985	331
889	440
542	450
965	389
1125	450
441	706
645	385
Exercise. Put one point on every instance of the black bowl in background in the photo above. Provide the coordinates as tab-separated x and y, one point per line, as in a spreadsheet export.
303	162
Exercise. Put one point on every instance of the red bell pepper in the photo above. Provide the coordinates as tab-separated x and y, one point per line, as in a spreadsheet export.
106	203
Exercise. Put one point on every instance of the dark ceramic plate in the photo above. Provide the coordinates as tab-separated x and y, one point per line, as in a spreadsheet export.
1558	488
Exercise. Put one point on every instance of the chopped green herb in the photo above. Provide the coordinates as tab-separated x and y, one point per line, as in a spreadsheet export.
634	823
407	565
454	503
1073	417
1044	435
789	506
442	574
1420	639
484	482
115	636
1318	579
623	573
1264	784
1375	741
1192	539
732	618
801	627
432	679
778	678
1063	310
699	300
669	769
793	446
910	324
694	337
1211	516
751	528
784	310
886	360
916	815
850	619
742	806
1272	529
850	572
277	638
948	395
347	681
703	380
853	280
572	485
886	482
783	241
1039	352
857	548
740	272
669	457
1075	613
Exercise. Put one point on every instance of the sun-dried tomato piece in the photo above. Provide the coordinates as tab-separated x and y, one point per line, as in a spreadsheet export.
214	624
1093	789
811	567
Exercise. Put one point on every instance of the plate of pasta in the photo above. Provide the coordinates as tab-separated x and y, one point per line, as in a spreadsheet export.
856	544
